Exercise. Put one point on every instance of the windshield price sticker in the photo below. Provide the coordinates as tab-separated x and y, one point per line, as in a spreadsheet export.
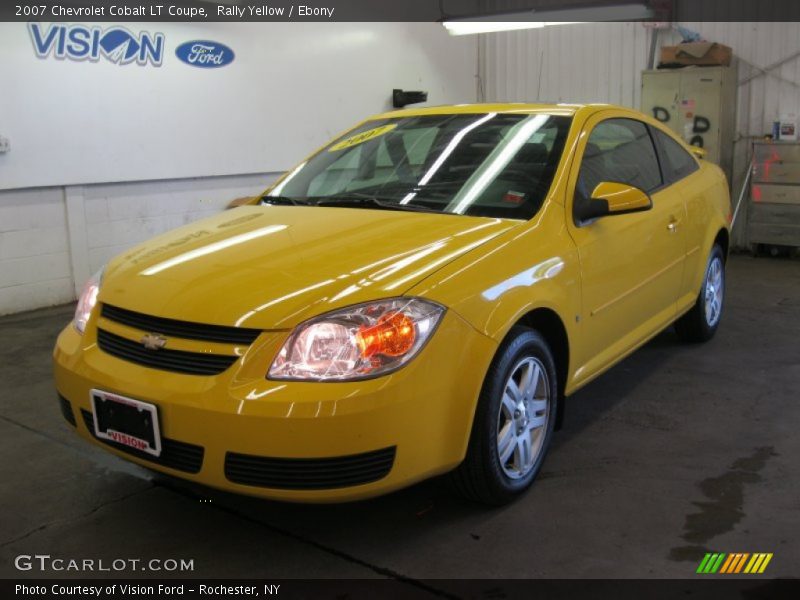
362	137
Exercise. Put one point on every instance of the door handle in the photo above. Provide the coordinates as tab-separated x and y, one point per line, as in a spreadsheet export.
672	225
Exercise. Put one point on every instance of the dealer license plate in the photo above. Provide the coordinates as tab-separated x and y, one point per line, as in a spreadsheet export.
126	421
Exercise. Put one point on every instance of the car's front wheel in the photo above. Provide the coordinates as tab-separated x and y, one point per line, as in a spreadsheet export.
701	322
513	422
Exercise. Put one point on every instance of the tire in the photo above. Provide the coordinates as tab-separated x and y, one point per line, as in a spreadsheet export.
702	321
483	476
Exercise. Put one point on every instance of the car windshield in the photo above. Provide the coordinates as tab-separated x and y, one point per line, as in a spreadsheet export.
494	165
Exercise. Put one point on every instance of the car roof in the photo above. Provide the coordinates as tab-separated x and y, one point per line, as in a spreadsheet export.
507	107
583	112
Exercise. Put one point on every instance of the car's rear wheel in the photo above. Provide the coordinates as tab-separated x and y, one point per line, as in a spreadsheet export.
701	322
513	422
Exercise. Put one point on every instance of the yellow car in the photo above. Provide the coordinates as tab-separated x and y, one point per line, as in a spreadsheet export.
415	298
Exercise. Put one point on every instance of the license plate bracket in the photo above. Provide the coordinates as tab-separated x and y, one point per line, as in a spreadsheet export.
126	421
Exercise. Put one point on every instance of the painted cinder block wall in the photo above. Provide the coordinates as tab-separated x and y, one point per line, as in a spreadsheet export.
52	239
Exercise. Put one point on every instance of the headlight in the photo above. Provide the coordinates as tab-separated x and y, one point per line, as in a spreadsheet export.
358	342
87	301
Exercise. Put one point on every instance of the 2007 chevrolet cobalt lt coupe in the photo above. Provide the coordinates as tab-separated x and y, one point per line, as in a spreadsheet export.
415	298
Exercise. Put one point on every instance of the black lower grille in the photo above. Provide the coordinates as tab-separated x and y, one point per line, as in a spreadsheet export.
66	410
182	329
309	473
175	455
193	363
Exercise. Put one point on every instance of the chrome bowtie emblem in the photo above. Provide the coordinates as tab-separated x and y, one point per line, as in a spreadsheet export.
153	341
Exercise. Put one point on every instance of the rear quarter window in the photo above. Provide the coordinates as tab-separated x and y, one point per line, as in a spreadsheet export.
677	162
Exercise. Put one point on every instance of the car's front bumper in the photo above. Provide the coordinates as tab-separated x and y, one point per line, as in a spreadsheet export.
401	428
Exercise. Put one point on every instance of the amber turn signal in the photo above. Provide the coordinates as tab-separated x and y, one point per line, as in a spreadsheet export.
392	335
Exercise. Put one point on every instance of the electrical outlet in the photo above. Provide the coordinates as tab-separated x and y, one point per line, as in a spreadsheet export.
5	145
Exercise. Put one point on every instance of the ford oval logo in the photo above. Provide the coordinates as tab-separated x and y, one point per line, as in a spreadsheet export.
205	54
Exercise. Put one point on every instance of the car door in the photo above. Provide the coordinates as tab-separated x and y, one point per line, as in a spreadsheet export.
631	264
681	170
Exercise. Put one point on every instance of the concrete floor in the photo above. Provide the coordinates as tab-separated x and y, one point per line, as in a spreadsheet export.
677	451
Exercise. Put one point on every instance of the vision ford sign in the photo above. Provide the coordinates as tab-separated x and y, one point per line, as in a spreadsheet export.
205	54
79	42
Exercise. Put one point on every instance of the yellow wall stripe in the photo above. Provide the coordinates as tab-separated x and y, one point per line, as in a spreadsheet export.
765	563
752	563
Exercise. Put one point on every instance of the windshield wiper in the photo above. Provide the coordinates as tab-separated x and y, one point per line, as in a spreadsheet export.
358	199
351	200
285	200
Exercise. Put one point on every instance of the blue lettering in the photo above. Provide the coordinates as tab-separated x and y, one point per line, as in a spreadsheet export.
205	54
116	44
96	43
79	43
151	51
61	43
43	45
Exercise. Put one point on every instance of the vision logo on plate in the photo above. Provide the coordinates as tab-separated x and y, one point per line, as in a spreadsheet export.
205	54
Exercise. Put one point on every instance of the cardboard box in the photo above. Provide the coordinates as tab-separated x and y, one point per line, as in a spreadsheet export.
697	53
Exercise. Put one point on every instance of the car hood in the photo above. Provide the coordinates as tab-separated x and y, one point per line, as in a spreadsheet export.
270	267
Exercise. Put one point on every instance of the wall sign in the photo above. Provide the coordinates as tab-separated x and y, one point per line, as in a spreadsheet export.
81	43
205	54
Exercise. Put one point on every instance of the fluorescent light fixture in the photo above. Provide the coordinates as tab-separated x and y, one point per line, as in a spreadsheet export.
472	27
531	19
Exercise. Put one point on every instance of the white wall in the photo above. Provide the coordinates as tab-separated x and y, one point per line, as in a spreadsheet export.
290	88
603	63
591	62
105	156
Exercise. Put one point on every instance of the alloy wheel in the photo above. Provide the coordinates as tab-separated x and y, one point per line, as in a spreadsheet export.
523	416
714	291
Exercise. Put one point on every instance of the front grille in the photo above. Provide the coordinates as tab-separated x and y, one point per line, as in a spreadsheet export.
182	329
174	454
309	473
66	410
193	363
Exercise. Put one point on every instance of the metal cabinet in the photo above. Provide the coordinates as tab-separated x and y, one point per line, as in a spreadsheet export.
773	212
698	104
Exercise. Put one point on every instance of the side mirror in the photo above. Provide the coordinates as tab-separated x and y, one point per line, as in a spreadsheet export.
698	151
612	198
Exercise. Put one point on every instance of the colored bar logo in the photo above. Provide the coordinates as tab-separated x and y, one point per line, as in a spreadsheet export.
734	563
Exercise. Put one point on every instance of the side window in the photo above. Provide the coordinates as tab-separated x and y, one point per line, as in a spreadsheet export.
679	163
619	150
